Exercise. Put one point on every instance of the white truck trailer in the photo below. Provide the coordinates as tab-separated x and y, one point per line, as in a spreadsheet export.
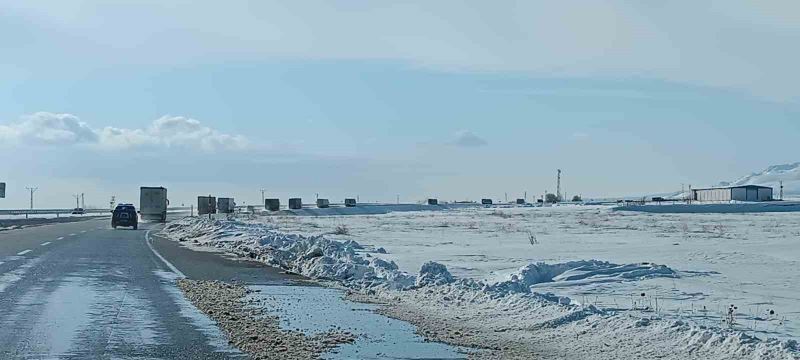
153	203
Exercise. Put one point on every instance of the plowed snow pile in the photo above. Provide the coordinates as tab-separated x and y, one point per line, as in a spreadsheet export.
509	316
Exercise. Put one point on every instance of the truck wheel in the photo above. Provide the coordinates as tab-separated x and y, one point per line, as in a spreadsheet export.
113	226
136	227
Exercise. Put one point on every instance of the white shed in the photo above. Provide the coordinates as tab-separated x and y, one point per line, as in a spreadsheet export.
733	193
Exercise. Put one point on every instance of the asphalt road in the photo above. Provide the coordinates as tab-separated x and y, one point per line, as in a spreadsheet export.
84	291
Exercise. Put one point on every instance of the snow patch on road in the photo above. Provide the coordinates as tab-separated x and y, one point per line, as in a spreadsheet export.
9	278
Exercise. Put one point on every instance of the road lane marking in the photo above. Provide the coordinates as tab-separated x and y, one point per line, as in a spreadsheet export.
1	263
169	264
83	231
61	238
24	252
71	235
46	243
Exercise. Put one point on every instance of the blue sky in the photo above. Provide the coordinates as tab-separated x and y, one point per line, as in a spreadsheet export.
455	100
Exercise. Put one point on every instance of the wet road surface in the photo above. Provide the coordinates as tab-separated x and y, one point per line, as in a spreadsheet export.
82	290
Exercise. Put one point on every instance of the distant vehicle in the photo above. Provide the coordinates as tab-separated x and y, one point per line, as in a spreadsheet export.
153	203
272	204
78	211
486	201
124	215
350	202
295	203
323	203
206	205
226	205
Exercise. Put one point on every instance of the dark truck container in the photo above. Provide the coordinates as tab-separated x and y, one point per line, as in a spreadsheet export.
272	204
295	203
206	205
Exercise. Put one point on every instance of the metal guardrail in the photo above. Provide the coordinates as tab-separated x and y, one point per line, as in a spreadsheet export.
67	211
48	211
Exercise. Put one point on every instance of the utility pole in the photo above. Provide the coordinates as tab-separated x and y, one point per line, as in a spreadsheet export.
262	196
781	189
558	186
77	200
526	196
32	189
83	202
398	199
506	197
112	202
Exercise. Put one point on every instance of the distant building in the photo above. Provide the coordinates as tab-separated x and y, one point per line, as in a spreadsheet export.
733	193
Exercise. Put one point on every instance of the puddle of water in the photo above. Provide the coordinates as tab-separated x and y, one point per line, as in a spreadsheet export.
314	310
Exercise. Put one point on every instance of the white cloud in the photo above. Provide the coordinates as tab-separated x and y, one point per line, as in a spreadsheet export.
49	128
44	128
466	138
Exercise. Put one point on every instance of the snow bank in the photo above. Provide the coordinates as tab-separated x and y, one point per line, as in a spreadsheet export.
320	258
578	272
374	209
510	301
727	208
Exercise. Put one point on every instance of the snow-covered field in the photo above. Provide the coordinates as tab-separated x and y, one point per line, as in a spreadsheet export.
700	279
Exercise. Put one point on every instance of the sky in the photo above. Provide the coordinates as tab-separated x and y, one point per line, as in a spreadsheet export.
458	100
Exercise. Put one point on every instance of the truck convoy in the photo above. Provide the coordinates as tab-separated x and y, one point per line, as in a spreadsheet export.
153	203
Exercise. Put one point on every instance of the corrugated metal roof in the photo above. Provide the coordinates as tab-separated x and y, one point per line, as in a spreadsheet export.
735	187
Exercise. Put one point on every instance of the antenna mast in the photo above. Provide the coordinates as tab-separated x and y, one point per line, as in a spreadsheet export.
32	189
558	186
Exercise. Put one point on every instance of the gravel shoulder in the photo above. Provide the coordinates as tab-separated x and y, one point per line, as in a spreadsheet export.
250	328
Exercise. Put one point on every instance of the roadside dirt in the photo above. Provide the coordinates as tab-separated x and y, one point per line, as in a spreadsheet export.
250	328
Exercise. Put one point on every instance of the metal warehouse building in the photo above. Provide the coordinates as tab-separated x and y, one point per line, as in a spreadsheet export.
737	193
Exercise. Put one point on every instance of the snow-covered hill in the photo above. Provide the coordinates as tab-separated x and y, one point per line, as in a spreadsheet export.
773	175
